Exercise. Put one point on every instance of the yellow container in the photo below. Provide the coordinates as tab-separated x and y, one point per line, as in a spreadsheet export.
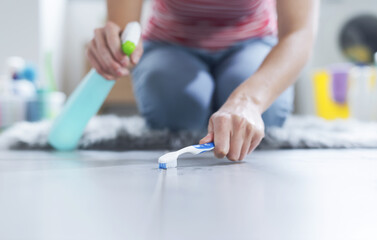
326	107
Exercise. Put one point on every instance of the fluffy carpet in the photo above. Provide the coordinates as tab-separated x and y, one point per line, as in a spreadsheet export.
131	133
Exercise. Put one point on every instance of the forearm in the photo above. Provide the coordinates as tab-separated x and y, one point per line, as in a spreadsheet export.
278	71
122	12
297	24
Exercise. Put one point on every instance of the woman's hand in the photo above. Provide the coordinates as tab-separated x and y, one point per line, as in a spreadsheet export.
105	53
236	128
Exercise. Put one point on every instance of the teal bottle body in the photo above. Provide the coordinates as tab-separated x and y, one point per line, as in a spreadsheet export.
80	107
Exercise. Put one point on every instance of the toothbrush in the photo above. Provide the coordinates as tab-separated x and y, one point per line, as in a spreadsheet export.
87	98
169	160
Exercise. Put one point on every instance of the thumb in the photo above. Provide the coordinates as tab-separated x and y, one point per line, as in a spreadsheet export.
209	137
136	55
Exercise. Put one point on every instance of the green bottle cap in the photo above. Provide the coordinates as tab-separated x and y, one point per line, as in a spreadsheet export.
128	48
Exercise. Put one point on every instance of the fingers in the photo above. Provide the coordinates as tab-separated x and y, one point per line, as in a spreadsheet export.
255	142
104	56
247	142
209	137
136	55
236	142
236	128
240	139
234	136
222	130
112	32
93	60
244	140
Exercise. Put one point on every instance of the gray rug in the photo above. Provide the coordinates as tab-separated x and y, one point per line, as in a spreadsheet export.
131	133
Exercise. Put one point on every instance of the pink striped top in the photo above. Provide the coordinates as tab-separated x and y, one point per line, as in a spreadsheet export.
210	24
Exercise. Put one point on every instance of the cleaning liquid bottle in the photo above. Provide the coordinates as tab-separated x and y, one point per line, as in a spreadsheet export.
87	98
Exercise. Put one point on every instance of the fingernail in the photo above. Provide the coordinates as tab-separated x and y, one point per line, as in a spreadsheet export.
204	138
122	71
124	62
136	59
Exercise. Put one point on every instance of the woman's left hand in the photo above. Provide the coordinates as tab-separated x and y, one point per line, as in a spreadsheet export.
236	129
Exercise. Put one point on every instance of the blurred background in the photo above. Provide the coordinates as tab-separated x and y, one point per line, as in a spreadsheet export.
42	59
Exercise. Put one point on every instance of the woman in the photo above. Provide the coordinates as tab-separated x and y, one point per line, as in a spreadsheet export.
225	65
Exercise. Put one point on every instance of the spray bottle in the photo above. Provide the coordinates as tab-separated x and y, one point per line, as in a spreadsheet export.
87	98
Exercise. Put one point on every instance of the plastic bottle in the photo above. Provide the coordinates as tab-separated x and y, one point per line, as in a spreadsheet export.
87	98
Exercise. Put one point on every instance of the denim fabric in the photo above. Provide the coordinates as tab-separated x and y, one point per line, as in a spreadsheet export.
179	87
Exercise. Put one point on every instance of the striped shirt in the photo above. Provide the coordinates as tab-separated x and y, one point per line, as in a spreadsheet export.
210	24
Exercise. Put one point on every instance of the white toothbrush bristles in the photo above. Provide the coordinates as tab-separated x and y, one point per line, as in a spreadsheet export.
168	160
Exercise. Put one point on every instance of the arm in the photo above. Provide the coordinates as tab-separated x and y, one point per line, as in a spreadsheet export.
124	11
297	28
237	128
104	52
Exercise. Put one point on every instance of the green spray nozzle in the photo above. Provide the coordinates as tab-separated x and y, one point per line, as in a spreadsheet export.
131	37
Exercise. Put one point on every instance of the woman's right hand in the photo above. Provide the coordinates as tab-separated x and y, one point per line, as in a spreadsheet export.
105	53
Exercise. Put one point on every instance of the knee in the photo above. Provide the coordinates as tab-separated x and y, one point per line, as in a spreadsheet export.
275	116
167	102
173	92
278	112
183	113
145	78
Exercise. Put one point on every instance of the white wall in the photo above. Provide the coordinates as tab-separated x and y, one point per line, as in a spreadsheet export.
19	30
333	15
29	29
51	22
82	17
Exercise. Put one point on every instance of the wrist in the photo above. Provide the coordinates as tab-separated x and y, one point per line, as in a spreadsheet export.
244	98
251	97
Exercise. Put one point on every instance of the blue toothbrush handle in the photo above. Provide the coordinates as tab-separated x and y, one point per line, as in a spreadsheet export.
200	148
209	145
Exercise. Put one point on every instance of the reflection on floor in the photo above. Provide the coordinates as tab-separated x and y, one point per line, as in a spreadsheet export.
285	194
